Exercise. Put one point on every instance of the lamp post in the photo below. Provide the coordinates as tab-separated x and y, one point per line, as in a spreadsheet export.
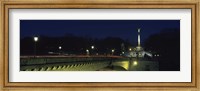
92	47
135	63
87	52
60	47
112	51
130	49
92	51
35	40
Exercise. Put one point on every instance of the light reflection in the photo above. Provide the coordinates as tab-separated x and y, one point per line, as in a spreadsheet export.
129	64
124	64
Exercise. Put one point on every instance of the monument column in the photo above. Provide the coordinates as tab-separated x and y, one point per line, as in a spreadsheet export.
138	36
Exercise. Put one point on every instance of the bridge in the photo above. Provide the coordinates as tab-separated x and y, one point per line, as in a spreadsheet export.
66	63
84	63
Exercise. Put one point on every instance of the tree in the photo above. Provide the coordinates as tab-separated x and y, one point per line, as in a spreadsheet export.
167	45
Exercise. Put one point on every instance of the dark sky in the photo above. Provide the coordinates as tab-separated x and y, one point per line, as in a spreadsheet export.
126	29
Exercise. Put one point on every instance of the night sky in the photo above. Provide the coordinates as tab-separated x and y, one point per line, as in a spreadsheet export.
125	29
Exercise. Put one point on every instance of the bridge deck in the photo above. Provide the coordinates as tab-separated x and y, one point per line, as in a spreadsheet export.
84	63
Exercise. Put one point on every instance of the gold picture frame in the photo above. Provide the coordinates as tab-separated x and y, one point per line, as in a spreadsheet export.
154	86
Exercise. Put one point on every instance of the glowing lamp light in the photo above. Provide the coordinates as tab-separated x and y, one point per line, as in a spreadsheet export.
92	47
35	39
135	63
60	47
113	50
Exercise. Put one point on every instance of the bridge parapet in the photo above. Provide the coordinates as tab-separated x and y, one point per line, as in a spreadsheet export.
65	63
60	59
88	66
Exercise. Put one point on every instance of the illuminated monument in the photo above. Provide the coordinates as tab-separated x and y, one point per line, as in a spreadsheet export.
138	36
138	48
138	51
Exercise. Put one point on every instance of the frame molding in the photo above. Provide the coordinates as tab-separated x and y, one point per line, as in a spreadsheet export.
194	85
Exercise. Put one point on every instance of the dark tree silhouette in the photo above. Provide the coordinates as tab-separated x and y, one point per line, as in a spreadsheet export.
167	45
71	45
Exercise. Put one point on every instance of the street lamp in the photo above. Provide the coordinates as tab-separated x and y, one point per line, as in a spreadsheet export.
92	51
87	52
35	40
130	49
60	47
113	51
135	63
92	47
